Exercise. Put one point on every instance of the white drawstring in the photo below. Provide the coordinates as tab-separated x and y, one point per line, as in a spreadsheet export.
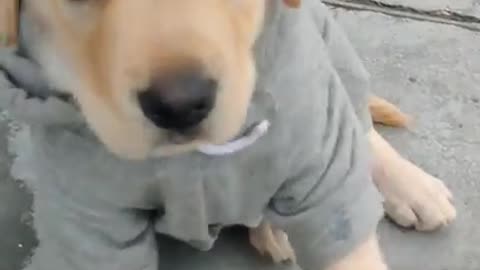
238	144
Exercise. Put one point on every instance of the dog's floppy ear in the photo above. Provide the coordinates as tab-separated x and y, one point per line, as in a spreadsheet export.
293	3
9	16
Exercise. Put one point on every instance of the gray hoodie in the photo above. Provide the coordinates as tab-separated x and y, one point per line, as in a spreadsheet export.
309	174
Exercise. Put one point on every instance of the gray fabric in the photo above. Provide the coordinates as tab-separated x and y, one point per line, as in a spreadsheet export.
308	175
349	67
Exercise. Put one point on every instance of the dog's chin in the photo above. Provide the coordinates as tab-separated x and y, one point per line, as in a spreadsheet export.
176	145
168	150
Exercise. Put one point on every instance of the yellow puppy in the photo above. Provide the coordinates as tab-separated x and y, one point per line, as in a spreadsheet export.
132	66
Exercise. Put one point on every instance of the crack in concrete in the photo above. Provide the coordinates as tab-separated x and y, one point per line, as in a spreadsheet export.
443	16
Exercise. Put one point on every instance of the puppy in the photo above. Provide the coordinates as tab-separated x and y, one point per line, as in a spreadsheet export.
170	90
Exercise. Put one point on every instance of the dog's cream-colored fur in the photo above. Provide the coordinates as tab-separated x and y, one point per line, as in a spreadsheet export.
114	51
8	22
366	256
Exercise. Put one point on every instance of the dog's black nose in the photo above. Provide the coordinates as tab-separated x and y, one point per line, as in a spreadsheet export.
179	103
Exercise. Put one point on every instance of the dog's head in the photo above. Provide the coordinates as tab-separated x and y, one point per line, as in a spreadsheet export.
164	75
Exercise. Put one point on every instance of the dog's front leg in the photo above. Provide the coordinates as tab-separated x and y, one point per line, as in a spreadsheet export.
413	198
274	242
366	256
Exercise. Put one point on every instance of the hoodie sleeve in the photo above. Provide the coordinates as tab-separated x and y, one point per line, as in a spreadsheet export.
329	204
345	60
27	98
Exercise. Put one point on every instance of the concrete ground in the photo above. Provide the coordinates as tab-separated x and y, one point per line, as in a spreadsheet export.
432	71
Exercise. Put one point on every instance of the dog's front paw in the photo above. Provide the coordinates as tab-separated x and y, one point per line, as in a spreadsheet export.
272	242
414	198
